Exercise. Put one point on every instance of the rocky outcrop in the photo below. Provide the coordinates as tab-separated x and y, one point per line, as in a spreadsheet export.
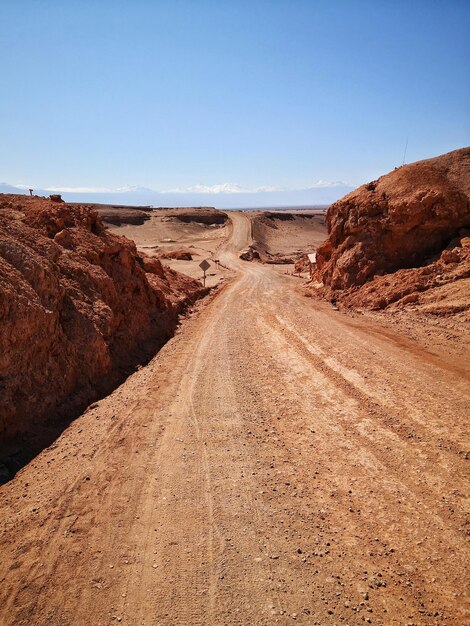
302	265
179	255
249	254
79	306
402	220
55	197
200	215
118	215
441	287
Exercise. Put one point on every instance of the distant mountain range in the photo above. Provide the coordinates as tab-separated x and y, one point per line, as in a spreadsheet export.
321	195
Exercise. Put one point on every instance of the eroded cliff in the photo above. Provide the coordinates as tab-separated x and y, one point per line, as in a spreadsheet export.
79	306
400	235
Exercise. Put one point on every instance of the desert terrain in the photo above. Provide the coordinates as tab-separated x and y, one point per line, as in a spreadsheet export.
398	249
281	460
180	238
282	237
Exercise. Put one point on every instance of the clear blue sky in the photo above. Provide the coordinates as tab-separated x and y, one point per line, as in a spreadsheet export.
169	94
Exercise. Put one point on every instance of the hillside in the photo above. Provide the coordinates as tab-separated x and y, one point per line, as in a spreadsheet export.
394	239
282	237
79	308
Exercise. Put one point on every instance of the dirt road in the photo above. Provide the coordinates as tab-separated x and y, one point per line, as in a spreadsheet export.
276	463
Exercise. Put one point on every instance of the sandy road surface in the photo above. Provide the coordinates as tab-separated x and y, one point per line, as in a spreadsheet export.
276	463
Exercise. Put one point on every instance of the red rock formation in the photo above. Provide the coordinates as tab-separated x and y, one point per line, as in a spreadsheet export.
200	215
442	287
396	222
55	197
302	264
78	306
179	255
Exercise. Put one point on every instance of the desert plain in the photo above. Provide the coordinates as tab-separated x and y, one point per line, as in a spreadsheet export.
284	458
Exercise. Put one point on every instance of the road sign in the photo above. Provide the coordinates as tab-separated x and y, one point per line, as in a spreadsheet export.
312	257
204	265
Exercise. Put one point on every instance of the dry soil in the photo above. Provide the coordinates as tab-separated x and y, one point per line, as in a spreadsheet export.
276	463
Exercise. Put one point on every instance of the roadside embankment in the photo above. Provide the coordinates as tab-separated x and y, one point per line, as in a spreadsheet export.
79	308
281	237
399	236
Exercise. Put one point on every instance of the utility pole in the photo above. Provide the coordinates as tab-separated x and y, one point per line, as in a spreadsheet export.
204	265
404	153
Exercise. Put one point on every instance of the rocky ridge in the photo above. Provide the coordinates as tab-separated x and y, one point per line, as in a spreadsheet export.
402	235
79	307
201	215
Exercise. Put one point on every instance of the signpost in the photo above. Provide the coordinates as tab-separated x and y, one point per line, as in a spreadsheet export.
204	265
312	257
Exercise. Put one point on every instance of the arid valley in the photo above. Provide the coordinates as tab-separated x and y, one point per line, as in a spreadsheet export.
296	452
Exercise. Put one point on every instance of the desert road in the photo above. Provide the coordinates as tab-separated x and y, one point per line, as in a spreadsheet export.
277	463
